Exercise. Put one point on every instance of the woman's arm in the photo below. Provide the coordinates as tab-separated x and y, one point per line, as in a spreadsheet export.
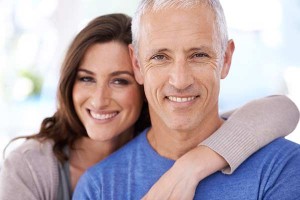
251	127
246	130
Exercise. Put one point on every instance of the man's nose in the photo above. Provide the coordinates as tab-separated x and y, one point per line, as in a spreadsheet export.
181	75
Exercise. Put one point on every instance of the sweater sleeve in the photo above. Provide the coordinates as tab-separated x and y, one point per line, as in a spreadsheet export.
30	172
251	127
16	180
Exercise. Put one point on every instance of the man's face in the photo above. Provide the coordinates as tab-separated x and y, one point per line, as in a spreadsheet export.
180	68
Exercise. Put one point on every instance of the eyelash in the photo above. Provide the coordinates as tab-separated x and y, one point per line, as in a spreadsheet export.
117	81
200	55
197	55
86	79
120	81
158	57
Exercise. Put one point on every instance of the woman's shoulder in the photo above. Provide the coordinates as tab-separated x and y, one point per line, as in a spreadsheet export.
32	166
34	151
35	146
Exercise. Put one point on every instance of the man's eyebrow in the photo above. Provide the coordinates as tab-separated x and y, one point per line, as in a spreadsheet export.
157	51
153	51
202	48
162	49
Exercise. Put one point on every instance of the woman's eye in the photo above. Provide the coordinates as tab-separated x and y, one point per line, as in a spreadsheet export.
86	79
120	81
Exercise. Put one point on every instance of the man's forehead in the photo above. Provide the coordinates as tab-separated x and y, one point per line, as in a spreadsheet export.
163	27
174	19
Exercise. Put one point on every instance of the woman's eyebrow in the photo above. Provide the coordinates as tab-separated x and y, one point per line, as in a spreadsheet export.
86	71
116	73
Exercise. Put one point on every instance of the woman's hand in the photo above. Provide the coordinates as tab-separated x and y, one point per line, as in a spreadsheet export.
181	180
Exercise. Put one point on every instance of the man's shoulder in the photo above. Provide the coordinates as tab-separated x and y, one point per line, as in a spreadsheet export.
281	146
271	172
279	152
278	167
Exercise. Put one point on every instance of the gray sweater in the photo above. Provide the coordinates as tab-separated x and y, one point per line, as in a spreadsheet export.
32	172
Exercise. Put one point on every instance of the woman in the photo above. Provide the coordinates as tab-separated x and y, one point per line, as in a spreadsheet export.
101	107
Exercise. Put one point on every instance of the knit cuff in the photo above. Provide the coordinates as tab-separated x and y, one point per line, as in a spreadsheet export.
234	143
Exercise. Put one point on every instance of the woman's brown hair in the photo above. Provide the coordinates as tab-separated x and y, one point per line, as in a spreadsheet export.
64	127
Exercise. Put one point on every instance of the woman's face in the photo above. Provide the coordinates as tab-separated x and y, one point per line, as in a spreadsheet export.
106	96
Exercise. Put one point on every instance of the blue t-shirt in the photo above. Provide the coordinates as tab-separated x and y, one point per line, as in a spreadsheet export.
272	173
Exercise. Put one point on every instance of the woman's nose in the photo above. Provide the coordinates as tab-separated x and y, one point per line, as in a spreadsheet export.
101	97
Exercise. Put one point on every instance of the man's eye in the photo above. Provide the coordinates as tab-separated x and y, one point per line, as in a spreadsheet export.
120	81
158	57
200	55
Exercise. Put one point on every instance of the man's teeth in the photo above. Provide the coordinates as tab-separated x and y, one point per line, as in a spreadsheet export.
180	100
103	116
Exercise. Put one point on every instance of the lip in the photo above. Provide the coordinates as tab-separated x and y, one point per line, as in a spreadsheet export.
103	116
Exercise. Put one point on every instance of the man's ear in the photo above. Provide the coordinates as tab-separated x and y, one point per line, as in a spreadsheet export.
227	59
138	75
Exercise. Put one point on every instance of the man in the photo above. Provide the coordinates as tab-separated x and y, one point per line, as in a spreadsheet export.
180	52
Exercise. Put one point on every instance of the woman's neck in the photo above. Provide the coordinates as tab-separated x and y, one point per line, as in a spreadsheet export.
88	152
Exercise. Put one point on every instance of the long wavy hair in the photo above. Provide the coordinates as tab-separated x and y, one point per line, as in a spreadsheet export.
65	127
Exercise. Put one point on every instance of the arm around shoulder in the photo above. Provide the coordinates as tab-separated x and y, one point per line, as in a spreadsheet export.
247	129
253	126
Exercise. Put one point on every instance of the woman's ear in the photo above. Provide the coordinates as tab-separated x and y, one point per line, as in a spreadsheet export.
136	67
227	59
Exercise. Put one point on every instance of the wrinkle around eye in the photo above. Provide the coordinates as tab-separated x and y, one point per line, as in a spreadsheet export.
155	64
203	63
158	60
147	66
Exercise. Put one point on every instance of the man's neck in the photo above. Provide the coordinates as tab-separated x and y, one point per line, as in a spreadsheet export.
173	144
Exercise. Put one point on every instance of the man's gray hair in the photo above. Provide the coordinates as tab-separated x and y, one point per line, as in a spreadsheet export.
144	6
